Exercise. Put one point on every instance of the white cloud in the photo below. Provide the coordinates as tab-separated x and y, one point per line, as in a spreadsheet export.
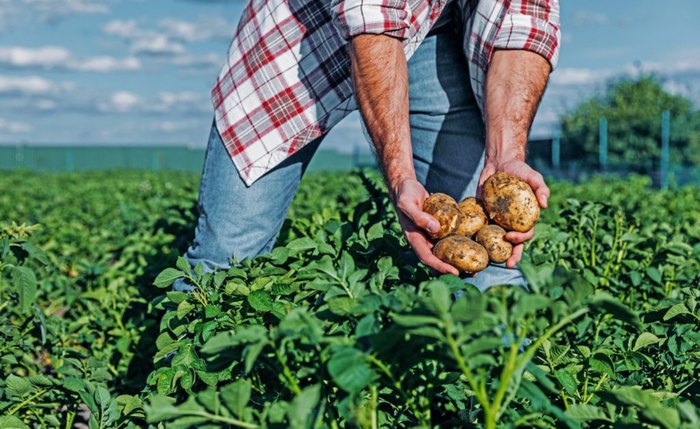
164	102
170	36
27	85
56	57
53	10
121	102
587	18
174	127
193	31
123	29
157	44
209	60
14	127
578	76
106	64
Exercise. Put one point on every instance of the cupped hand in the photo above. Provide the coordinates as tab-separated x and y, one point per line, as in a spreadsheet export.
519	169
418	225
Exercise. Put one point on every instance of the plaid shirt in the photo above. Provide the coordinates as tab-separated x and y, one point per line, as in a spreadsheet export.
287	78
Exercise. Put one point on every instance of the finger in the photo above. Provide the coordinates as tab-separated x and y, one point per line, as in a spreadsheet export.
485	174
420	218
519	237
421	246
537	183
515	257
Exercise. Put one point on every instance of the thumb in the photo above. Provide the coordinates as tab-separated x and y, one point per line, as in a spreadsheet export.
422	219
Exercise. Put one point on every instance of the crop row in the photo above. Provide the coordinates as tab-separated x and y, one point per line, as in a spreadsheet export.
339	326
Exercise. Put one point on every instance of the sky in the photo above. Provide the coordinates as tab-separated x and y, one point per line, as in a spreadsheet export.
140	71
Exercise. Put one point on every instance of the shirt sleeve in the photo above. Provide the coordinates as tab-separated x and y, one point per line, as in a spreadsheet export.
531	25
389	17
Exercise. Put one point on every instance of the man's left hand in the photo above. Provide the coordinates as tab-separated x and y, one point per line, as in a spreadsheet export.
535	180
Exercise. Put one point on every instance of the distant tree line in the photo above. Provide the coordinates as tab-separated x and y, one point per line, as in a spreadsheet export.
633	108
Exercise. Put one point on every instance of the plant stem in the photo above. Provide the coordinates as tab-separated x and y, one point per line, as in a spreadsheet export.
69	420
373	405
397	384
26	401
294	386
479	392
214	417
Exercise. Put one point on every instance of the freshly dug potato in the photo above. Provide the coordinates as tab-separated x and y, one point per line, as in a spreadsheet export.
473	217
510	202
462	253
492	238
443	208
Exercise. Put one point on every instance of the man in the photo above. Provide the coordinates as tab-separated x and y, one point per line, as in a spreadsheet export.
447	90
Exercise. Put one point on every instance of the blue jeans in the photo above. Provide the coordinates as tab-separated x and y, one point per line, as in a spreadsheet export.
447	134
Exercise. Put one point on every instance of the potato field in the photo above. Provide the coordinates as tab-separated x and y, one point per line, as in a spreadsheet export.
340	327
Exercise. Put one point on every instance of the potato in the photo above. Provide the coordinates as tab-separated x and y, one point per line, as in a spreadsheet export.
443	208
492	238
462	253
473	217
510	202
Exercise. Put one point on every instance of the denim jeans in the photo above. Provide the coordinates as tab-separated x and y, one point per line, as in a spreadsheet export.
447	134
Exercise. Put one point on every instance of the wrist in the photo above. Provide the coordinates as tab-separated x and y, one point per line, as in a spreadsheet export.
396	179
505	147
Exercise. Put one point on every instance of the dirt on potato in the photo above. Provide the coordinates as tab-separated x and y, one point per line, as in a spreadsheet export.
510	202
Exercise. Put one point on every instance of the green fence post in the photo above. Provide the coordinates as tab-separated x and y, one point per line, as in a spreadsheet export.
70	160
19	156
155	165
665	147
603	143
556	144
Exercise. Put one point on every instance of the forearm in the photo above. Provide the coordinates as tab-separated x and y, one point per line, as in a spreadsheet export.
515	83
380	78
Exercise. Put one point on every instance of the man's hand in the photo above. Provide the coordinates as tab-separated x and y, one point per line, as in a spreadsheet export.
417	224
535	180
515	83
380	77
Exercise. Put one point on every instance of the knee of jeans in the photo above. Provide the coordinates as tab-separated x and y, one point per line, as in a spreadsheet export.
496	275
180	285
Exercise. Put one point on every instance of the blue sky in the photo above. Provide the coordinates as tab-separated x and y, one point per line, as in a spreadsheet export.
140	71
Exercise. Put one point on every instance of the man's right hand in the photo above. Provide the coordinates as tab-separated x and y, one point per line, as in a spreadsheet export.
418	225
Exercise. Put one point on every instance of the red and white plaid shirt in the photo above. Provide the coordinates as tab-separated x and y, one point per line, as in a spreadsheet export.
287	78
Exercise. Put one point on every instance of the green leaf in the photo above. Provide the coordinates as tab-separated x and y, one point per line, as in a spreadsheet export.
375	231
605	302
654	274
676	310
18	386
301	244
587	413
40	380
251	353
468	307
647	404
167	277
342	305
183	264
645	339
567	381
184	308
414	320
349	369
260	300
12	422
24	282
236	395
302	406
602	363
440	298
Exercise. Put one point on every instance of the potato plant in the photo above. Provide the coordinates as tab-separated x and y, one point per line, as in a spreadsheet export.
340	326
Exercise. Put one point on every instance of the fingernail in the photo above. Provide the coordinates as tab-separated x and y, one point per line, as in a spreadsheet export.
433	226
